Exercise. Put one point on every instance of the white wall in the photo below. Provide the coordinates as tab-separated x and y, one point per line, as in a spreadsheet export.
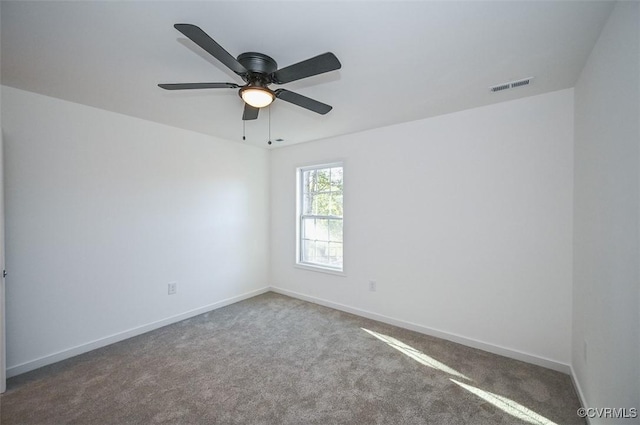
606	248
464	221
103	210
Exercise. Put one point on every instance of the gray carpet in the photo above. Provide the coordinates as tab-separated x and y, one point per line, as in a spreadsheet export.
277	360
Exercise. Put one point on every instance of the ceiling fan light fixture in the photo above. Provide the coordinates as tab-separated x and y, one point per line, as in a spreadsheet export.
257	96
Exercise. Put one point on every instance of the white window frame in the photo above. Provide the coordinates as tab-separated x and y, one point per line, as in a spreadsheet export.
299	218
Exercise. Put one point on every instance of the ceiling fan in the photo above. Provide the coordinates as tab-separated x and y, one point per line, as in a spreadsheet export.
259	71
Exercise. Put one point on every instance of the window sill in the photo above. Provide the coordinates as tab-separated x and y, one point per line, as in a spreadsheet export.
320	269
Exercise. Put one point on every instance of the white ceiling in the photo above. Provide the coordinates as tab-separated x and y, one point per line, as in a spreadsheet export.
401	60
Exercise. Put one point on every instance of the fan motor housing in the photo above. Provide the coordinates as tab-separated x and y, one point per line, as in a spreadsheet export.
258	63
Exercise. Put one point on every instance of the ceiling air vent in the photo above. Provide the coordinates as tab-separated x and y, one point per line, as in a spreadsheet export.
500	87
511	85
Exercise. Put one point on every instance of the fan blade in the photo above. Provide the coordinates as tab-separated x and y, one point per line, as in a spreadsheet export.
201	38
189	86
314	66
305	102
250	113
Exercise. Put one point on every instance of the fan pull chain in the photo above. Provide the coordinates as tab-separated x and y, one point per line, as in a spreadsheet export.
269	142
243	130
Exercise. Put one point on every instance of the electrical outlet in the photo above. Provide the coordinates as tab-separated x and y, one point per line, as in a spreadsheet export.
173	288
372	286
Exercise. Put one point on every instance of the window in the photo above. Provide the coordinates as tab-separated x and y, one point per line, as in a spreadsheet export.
320	216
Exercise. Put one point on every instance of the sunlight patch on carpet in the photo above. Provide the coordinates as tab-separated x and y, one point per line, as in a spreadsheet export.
416	355
507	405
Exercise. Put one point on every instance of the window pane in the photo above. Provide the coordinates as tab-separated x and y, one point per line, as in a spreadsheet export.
315	228
308	251
335	204
309	181
321	204
307	204
324	180
336	179
335	230
322	229
322	252
308	228
335	254
318	252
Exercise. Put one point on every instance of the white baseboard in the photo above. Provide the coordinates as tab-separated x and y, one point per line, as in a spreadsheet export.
120	336
578	388
470	342
83	348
